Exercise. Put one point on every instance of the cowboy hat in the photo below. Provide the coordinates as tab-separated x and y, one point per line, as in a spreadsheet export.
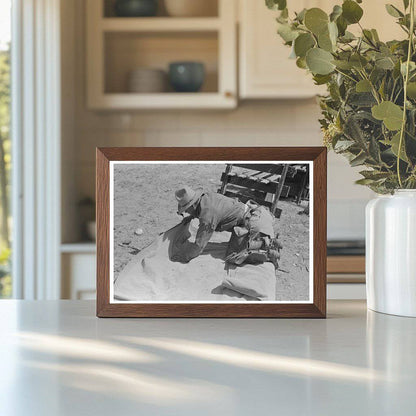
186	197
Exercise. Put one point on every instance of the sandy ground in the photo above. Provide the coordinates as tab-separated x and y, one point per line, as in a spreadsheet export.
144	201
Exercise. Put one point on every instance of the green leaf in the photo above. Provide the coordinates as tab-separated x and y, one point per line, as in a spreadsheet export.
391	114
342	25
316	20
406	4
375	35
276	4
374	150
300	17
321	79
319	61
348	37
361	99
358	160
354	131
368	36
351	11
324	42
412	67
283	17
341	64
364	181
377	75
333	32
411	90
394	145
303	43
327	40
382	88
286	32
343	145
363	86
374	175
396	71
358	61
385	63
393	11
301	63
336	12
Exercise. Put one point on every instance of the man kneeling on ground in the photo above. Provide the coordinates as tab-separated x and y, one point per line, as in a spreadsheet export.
253	238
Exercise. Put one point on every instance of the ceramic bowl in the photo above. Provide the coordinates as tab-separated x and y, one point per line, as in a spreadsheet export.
135	8
147	80
186	76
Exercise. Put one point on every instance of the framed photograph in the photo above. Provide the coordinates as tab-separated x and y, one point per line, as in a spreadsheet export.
211	232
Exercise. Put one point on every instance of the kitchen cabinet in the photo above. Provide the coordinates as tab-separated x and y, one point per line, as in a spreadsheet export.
78	262
118	45
265	70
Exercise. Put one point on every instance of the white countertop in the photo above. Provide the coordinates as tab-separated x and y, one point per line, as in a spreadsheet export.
58	359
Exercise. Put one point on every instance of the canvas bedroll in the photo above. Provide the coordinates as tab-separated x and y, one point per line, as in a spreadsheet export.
152	276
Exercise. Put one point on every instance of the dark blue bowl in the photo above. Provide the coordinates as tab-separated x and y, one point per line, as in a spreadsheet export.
186	76
136	8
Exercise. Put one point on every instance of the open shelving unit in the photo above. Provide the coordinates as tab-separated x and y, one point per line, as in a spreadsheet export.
118	45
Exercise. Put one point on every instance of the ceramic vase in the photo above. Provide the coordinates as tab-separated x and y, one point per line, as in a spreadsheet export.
391	253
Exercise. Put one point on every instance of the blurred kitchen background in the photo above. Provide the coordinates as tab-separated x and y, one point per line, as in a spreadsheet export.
118	87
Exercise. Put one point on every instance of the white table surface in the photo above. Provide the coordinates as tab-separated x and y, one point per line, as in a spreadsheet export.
57	358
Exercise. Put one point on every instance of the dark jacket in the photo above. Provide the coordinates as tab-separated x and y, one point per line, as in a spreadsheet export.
216	212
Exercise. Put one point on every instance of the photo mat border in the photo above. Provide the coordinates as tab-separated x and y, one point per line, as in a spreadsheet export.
147	162
312	309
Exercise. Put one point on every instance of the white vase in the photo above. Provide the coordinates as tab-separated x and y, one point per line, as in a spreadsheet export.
391	253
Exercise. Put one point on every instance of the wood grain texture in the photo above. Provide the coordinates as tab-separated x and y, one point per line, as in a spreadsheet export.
317	309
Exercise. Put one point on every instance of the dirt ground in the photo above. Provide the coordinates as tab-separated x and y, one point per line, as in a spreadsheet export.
145	205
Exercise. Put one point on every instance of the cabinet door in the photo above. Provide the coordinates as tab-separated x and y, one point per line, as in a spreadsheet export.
78	276
376	17
265	68
116	46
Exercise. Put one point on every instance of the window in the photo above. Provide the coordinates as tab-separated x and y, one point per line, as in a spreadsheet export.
5	144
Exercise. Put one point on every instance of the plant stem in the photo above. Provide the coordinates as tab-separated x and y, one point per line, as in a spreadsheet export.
345	75
373	90
406	80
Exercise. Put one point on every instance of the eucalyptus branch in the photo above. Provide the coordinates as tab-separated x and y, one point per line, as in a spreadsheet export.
373	89
406	80
345	75
378	122
398	95
392	90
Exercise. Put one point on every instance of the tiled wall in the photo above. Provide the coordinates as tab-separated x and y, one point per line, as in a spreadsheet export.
255	124
268	123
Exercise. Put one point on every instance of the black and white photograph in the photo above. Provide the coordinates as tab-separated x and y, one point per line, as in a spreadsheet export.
208	232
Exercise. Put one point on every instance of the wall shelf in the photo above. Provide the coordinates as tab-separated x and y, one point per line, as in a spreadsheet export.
116	46
130	101
159	24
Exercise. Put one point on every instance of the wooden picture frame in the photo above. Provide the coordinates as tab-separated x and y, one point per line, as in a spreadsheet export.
317	159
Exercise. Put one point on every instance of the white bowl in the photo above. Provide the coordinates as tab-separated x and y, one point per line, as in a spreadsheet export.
146	80
191	8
